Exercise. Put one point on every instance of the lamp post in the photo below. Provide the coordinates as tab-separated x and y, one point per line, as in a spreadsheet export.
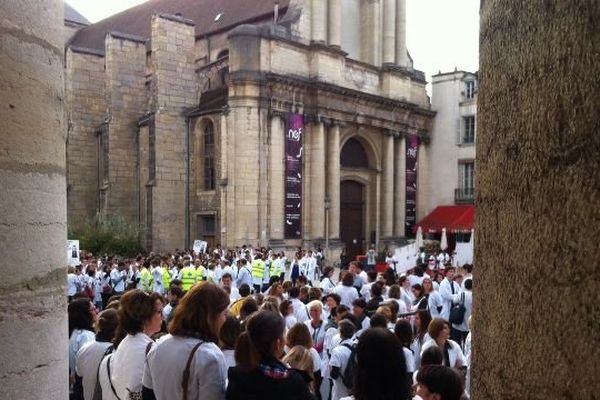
327	205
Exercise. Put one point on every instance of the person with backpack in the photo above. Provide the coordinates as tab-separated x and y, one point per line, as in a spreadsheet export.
82	316
327	284
88	358
341	361
244	274
459	331
140	317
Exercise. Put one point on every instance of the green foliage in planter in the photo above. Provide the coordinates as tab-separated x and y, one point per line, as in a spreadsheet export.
110	234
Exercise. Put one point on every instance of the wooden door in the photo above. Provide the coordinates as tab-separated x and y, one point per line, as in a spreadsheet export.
352	206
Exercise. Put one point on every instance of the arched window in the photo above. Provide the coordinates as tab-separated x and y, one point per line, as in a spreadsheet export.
353	155
223	54
208	154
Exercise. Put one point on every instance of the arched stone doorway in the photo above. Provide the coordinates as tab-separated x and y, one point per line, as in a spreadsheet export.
352	217
356	162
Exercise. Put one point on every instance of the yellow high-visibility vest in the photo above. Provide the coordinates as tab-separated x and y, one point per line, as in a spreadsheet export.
188	278
258	268
147	280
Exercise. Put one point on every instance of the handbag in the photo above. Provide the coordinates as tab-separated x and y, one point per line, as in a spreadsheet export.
457	312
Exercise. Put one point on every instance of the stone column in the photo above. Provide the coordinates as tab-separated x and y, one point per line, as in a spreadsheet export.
387	187
317	182
423	181
335	23
537	194
399	187
333	180
389	32
370	31
224	174
33	225
377	207
319	21
276	179
401	52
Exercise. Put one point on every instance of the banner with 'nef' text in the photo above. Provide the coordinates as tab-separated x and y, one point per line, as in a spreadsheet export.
412	165
293	176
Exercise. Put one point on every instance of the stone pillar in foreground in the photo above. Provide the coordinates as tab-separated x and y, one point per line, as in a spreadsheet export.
536	274
33	213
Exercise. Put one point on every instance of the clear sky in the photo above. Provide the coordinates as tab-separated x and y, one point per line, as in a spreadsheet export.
441	34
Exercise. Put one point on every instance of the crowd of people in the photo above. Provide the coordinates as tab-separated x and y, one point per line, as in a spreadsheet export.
252	324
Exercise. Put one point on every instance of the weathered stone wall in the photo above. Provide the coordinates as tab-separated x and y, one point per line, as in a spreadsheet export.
537	270
125	86
33	319
325	65
86	110
176	90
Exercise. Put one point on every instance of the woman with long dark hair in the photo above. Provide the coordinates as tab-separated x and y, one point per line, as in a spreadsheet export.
91	354
82	315
259	374
420	302
421	336
379	365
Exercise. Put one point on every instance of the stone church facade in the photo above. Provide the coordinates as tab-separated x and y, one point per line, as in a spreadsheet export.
178	114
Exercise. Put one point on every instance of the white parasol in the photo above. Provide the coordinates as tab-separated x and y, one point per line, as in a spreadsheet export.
444	240
419	238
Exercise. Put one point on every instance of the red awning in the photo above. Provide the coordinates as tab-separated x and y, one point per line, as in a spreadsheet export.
455	219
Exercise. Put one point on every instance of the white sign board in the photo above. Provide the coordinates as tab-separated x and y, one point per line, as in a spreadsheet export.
199	246
73	252
464	254
406	257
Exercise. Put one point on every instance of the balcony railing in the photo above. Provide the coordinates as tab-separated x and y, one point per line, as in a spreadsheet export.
464	195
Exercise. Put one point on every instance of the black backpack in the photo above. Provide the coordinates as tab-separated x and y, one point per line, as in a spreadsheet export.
348	373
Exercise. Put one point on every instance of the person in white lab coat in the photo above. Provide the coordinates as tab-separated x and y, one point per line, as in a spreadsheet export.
450	292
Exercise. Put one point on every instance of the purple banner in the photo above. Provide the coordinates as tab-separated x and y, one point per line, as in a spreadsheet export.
412	165
293	176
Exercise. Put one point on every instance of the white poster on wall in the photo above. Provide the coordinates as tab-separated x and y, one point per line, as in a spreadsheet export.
73	252
199	246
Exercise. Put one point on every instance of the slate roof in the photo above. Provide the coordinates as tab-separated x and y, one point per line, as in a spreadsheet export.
73	15
136	20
